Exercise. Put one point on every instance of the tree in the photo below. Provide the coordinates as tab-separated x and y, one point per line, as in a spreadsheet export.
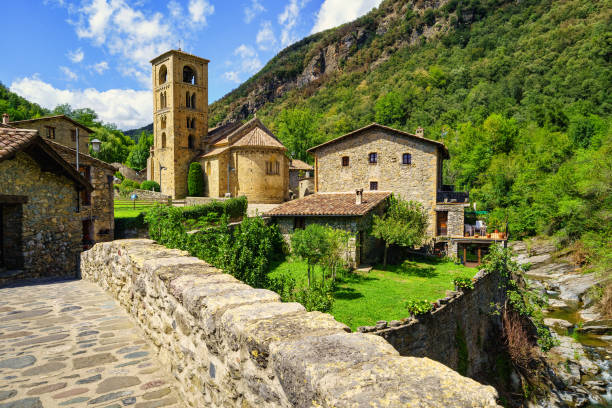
115	146
137	159
195	180
297	130
403	224
390	110
311	244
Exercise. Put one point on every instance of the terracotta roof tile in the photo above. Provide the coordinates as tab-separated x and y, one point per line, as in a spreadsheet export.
327	204
258	137
14	140
300	165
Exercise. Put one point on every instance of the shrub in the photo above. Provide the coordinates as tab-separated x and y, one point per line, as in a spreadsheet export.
418	307
126	223
234	208
150	185
119	175
195	180
127	186
463	283
317	297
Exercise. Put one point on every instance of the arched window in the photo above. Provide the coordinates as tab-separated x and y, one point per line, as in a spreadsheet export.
163	122
272	167
188	123
189	75
163	75
190	142
193	101
163	140
187	99
193	123
162	100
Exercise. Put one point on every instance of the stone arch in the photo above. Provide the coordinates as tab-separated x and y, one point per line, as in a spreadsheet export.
189	75
163	140
163	75
190	142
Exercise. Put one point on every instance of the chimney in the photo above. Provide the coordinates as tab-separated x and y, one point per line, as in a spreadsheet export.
5	119
420	132
359	196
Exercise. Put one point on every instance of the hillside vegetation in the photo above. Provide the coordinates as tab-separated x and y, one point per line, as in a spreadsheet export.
519	92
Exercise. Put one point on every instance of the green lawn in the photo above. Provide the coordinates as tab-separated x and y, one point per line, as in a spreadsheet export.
125	208
361	299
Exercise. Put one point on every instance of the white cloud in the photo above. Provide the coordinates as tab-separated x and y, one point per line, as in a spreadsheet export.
100	67
70	76
288	19
232	76
126	108
266	39
336	12
250	61
251	11
76	56
199	10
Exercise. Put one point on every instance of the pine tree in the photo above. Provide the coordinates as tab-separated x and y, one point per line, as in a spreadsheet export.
195	180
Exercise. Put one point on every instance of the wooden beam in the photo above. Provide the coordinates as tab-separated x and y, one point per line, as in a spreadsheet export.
13	199
479	254
464	254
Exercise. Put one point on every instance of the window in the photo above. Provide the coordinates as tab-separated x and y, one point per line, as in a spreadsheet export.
373	158
163	140
345	161
189	75
193	123
193	101
190	142
163	122
162	100
299	223
272	167
73	135
373	185
163	75
50	131
406	158
187	100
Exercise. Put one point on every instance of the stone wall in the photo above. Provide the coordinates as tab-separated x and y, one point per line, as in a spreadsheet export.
417	181
51	230
148	195
202	200
462	328
456	218
230	345
306	187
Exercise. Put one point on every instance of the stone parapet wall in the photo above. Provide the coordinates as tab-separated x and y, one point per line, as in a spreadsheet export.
189	201
148	195
230	345
463	326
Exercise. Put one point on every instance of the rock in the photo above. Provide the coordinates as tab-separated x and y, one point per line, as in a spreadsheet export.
395	323
23	403
533	260
550	271
564	324
556	304
18	362
596	327
590	314
381	324
574	286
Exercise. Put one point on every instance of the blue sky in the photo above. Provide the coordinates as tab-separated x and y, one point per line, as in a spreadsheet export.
95	53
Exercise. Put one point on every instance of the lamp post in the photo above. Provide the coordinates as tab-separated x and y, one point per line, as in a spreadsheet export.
95	145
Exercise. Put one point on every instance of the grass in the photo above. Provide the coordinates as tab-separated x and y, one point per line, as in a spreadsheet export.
125	208
361	299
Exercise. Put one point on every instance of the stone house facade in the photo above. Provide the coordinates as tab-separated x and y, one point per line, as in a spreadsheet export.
238	159
247	161
351	212
41	234
59	129
298	170
97	213
377	157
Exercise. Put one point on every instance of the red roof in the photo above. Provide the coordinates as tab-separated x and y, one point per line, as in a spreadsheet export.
330	204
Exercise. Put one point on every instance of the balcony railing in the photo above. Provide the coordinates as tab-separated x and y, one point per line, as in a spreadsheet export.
453	197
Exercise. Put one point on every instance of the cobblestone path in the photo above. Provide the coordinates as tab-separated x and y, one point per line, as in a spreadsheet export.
69	344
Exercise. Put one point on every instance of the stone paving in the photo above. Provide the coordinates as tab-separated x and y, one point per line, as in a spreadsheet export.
69	344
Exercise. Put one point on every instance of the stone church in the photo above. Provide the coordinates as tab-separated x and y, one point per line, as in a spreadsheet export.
237	159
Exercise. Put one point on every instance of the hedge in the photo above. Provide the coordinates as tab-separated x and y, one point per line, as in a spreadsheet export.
233	208
195	180
150	185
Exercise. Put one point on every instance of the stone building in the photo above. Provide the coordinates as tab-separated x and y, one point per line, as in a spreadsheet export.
247	161
59	129
378	157
97	208
298	170
238	159
351	212
40	230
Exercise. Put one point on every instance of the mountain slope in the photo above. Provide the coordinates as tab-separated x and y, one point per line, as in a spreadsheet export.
17	107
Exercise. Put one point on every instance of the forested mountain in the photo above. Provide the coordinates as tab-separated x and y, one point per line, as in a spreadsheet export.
17	107
518	90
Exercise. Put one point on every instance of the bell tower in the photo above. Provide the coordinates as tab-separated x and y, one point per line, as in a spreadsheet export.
180	118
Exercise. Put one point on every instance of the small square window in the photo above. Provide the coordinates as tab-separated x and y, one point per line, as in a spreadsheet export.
50	132
406	158
299	223
345	161
373	158
73	135
373	185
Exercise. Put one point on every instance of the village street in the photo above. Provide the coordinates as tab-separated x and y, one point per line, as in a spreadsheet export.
69	344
